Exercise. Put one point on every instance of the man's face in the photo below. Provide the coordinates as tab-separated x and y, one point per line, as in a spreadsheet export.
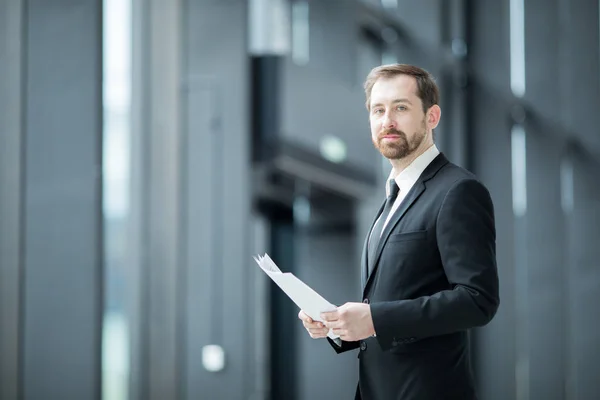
398	124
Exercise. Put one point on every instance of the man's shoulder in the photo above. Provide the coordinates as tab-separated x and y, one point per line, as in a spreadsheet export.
454	177
450	174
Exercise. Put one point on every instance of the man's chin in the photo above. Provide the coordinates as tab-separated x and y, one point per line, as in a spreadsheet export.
392	153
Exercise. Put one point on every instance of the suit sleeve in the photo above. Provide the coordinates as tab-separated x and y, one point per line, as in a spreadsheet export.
466	238
346	346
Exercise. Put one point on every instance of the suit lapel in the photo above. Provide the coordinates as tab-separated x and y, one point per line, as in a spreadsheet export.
408	201
412	196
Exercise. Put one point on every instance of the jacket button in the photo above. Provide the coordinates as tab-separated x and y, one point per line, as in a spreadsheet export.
366	301
363	346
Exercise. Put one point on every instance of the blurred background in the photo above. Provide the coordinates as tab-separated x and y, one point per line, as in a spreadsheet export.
150	148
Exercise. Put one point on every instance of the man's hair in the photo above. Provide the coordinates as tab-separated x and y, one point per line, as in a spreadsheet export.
427	89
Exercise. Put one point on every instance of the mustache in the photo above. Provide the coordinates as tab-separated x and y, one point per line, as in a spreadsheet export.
391	131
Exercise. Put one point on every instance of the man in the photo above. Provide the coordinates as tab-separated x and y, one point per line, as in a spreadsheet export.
429	262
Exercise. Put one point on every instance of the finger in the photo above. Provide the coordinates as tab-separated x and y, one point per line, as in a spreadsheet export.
330	316
317	335
314	325
334	324
318	331
304	317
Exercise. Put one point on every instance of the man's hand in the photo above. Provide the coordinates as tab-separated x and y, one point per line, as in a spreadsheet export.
351	322
315	329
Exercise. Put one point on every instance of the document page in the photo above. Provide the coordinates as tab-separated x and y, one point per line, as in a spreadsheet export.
311	302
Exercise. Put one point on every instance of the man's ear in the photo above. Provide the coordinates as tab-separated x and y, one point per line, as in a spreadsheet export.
433	116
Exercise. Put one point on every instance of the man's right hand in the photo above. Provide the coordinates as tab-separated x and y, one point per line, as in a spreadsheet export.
315	329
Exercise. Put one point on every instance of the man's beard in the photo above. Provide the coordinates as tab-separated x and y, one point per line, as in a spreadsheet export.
400	148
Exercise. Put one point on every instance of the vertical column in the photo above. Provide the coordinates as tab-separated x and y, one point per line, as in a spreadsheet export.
219	271
545	244
489	117
580	68
62	231
582	210
454	138
580	88
332	36
11	139
545	236
164	136
155	302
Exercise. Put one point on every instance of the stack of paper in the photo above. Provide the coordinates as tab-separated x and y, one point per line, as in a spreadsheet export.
311	302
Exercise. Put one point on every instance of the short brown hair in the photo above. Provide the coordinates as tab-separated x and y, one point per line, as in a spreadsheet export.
427	89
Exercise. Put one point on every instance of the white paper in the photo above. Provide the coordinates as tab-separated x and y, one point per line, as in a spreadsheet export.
309	301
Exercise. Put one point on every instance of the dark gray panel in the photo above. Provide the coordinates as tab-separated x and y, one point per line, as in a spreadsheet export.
489	45
495	344
582	69
223	283
203	252
584	279
544	262
333	36
63	265
368	56
542	58
417	14
163	134
10	194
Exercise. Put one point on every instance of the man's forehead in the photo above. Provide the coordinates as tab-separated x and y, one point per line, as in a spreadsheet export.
401	85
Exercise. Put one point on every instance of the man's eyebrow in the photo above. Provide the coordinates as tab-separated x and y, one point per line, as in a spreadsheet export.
403	100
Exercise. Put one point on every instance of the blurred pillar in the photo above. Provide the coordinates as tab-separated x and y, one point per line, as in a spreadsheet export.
51	229
154	309
62	213
220	275
543	351
581	205
456	136
11	142
268	46
490	119
579	59
544	251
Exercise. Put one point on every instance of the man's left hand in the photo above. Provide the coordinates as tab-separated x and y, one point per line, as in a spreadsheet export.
351	322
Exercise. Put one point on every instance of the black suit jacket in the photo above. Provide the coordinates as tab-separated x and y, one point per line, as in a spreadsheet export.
435	277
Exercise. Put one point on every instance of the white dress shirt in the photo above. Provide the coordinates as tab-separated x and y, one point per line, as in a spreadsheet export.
408	177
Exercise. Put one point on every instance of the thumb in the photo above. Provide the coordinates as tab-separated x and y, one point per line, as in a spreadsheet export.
304	317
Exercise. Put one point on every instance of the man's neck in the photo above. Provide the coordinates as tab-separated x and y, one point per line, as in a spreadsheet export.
400	164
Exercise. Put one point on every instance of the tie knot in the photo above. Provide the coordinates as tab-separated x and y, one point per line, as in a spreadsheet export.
394	189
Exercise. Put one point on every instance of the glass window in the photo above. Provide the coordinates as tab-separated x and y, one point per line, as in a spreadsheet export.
116	154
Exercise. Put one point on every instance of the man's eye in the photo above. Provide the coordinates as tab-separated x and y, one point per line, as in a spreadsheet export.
378	111
401	108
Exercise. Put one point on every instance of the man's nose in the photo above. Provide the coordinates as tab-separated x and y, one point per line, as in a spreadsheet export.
388	122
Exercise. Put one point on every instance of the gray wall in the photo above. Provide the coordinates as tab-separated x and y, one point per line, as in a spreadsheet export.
51	199
534	346
219	265
155	274
11	49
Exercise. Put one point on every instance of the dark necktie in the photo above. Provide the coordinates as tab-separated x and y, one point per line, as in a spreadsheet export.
376	232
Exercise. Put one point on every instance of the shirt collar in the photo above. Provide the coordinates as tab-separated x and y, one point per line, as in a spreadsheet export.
407	178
